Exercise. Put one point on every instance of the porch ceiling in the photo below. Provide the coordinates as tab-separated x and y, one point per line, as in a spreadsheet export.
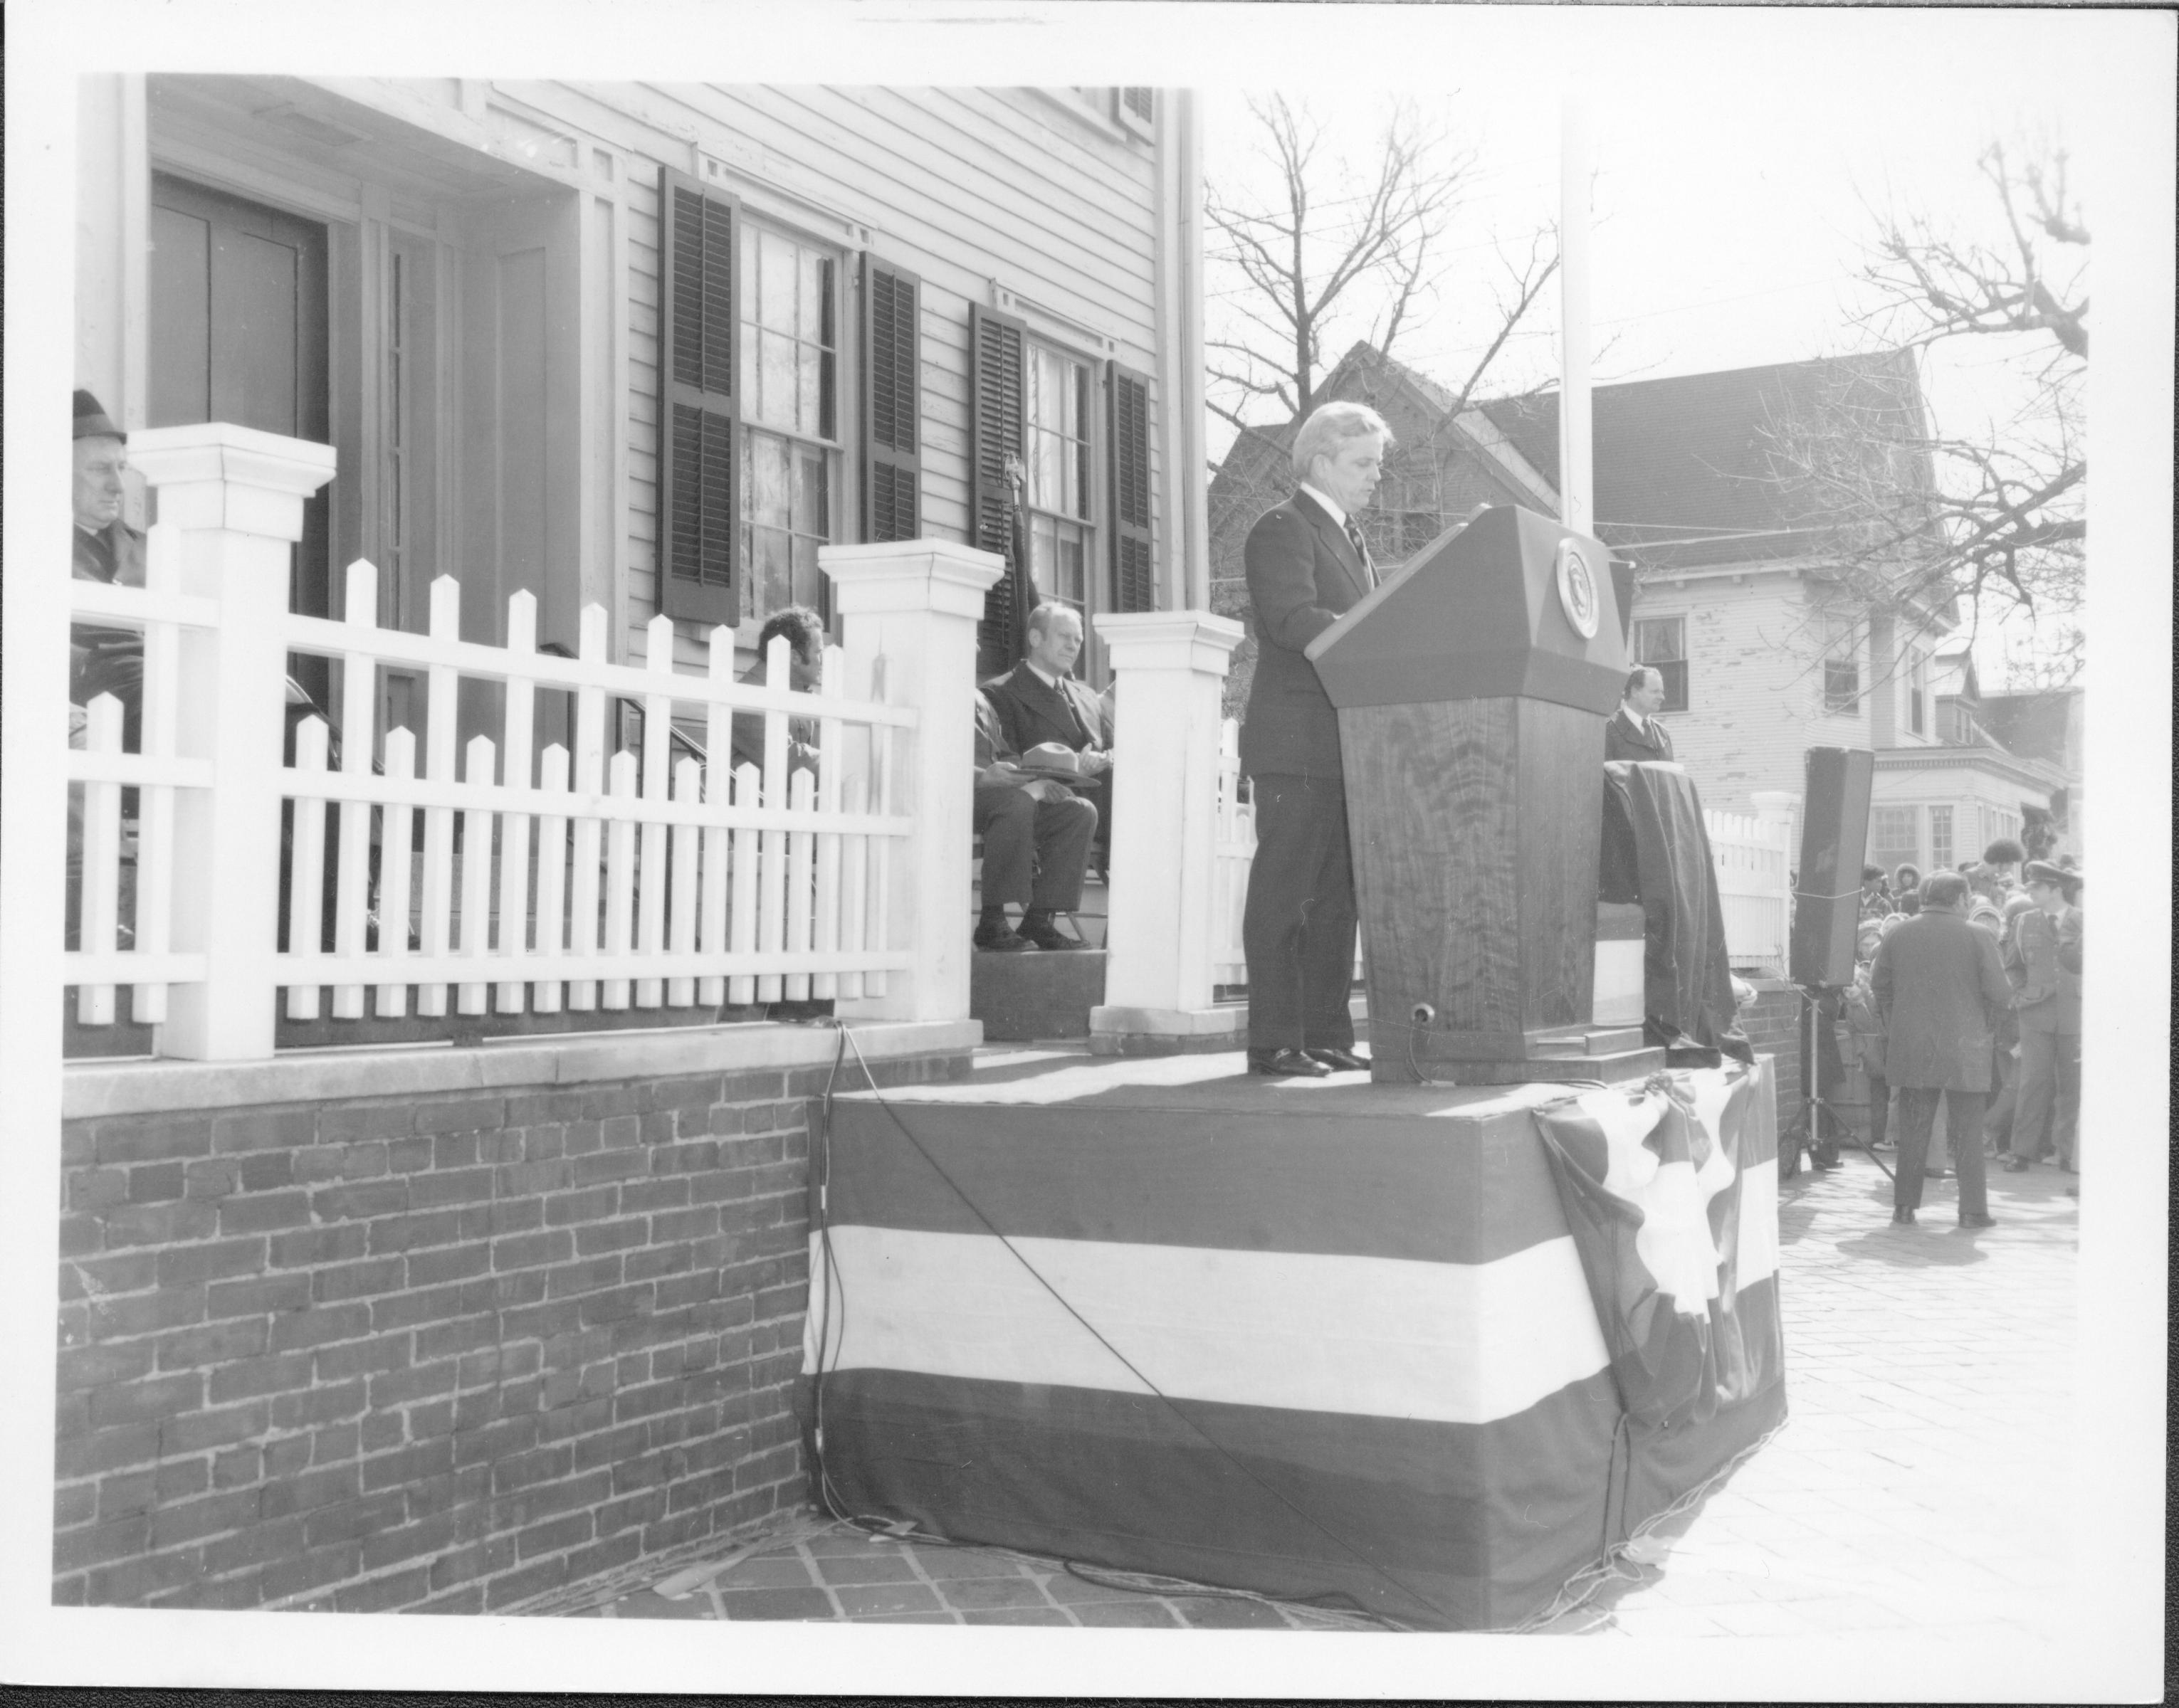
407	137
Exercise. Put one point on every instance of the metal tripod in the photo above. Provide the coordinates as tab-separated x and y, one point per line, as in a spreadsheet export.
1812	1097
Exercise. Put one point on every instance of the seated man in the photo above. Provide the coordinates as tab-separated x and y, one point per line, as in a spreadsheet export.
805	665
1036	839
1039	704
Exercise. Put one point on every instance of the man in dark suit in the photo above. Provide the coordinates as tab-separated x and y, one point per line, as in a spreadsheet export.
1041	703
1036	840
1632	732
1307	563
1940	990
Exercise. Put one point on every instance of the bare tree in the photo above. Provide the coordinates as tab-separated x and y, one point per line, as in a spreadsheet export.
1917	515
1333	253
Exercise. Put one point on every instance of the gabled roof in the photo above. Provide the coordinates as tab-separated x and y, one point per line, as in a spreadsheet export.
2037	725
1685	473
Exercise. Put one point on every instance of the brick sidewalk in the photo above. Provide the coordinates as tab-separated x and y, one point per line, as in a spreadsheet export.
1929	1379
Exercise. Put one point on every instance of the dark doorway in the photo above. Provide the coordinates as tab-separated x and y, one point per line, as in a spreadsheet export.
238	333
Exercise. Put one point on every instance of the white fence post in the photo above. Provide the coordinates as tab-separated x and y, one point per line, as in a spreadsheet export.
235	495
1169	667
908	611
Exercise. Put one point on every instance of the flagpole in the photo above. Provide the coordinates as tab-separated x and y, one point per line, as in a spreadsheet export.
1577	491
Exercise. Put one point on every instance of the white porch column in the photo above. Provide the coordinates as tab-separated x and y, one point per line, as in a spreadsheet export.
908	611
235	495
1169	667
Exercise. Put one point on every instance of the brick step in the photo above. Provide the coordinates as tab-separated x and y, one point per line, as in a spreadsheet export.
1035	993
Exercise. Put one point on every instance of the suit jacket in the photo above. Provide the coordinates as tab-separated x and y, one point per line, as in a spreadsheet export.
108	660
2049	995
1303	575
747	736
1939	990
1032	712
1624	739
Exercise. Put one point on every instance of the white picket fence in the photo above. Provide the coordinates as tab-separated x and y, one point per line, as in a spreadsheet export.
1233	846
1753	884
578	880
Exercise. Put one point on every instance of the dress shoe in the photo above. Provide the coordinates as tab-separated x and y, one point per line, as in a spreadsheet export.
1002	939
2016	1165
1046	935
1902	1219
1286	1063
1340	1061
1967	1221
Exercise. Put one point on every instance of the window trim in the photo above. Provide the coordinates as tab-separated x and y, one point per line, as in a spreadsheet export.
1841	650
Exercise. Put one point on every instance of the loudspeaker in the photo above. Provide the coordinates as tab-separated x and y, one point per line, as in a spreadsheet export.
1834	838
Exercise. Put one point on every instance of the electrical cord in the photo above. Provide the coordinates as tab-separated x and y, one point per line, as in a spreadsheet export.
1438	1615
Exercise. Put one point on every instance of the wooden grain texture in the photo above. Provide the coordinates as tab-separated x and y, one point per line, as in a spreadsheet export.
1431	796
1560	816
1475	825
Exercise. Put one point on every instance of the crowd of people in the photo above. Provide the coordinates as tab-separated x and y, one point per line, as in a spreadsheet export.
1966	992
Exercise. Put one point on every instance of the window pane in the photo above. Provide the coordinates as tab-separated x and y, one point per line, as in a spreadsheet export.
776	283
808	379
776	569
752	391
746	307
812	509
775	400
1070	566
806	579
809	319
827	379
1659	639
767	479
1047	471
1940	836
1043	551
1892	838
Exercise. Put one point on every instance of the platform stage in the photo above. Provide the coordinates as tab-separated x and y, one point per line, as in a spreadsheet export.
1313	1338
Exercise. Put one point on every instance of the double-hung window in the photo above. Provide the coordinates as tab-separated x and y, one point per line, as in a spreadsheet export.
1841	666
791	449
1062	535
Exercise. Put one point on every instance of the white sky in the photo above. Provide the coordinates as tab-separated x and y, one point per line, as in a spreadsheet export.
1740	161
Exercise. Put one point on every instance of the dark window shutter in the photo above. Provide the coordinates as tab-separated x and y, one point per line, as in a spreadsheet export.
893	400
996	388
699	400
1137	101
1135	579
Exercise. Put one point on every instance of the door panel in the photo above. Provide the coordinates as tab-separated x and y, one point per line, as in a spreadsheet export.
239	333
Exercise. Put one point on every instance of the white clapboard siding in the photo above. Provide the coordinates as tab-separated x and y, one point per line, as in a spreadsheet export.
966	186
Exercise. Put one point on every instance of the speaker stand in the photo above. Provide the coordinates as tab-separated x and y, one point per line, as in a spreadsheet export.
1812	1098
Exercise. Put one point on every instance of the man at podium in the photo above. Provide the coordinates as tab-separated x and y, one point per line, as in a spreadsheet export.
1306	564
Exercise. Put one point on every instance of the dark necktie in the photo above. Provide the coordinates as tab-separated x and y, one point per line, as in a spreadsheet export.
1361	550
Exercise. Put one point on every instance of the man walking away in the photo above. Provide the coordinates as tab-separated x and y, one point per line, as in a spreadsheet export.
1939	990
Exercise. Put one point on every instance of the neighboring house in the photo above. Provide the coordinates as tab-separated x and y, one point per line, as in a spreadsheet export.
650	346
2047	725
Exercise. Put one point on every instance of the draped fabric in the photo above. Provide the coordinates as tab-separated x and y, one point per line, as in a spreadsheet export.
1654	833
1345	1348
1654	1187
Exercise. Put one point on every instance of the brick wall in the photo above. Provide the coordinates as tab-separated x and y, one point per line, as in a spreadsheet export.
444	1354
1773	1023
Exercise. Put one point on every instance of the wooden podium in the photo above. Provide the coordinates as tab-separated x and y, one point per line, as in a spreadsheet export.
1473	686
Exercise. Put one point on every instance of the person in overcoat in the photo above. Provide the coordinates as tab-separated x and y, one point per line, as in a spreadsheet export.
2049	1002
1307	564
1940	991
1633	731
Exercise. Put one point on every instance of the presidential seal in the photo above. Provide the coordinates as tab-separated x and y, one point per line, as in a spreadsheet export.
1577	590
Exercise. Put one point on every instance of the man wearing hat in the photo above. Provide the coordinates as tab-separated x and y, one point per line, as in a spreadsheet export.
2048	999
104	661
